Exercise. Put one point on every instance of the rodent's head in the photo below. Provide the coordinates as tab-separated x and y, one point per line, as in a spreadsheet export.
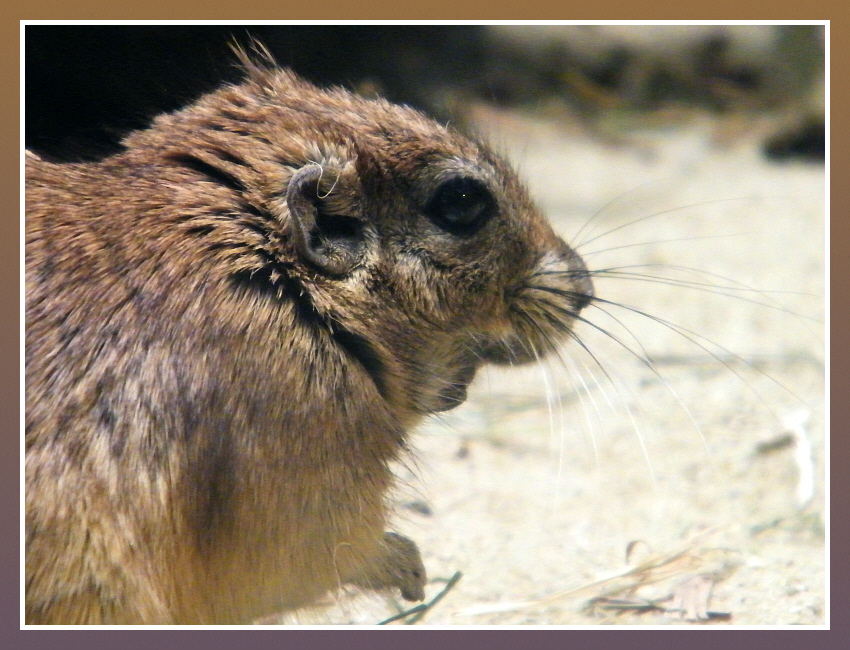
417	247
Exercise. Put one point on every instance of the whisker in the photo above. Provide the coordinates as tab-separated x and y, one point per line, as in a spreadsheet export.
654	215
586	390
607	205
587	254
628	410
548	389
653	367
718	290
645	358
610	379
695	338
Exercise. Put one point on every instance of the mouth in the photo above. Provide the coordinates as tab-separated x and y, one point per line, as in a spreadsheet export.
454	393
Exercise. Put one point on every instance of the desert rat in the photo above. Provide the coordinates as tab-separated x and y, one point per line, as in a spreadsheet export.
231	328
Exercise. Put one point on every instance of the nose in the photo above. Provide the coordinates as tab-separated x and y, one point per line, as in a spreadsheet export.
579	277
583	285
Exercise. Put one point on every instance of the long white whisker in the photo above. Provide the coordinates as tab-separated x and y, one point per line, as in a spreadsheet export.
695	338
716	290
586	390
607	205
587	254
654	215
653	367
626	407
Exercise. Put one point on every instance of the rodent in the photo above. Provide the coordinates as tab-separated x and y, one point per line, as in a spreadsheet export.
233	325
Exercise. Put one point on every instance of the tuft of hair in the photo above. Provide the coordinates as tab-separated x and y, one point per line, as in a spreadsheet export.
255	59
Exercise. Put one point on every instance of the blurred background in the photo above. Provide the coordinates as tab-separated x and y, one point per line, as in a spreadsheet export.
87	85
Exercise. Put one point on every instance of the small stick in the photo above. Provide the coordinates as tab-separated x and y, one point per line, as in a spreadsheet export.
419	611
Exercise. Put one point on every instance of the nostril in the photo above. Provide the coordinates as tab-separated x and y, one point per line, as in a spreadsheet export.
583	287
567	275
582	300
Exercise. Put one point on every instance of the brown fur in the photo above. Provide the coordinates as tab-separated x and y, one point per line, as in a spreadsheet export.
400	566
213	395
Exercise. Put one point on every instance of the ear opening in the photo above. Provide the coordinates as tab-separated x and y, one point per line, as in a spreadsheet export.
334	243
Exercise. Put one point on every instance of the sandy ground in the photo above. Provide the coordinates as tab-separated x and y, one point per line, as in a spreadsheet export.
700	475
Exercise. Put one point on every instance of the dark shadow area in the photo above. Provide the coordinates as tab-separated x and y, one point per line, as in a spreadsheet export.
88	85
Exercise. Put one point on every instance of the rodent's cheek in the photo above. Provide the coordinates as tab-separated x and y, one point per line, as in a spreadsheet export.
540	310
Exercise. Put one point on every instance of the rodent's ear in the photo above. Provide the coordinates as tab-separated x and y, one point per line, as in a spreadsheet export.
333	242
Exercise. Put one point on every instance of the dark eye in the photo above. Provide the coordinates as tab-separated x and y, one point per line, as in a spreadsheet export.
461	205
